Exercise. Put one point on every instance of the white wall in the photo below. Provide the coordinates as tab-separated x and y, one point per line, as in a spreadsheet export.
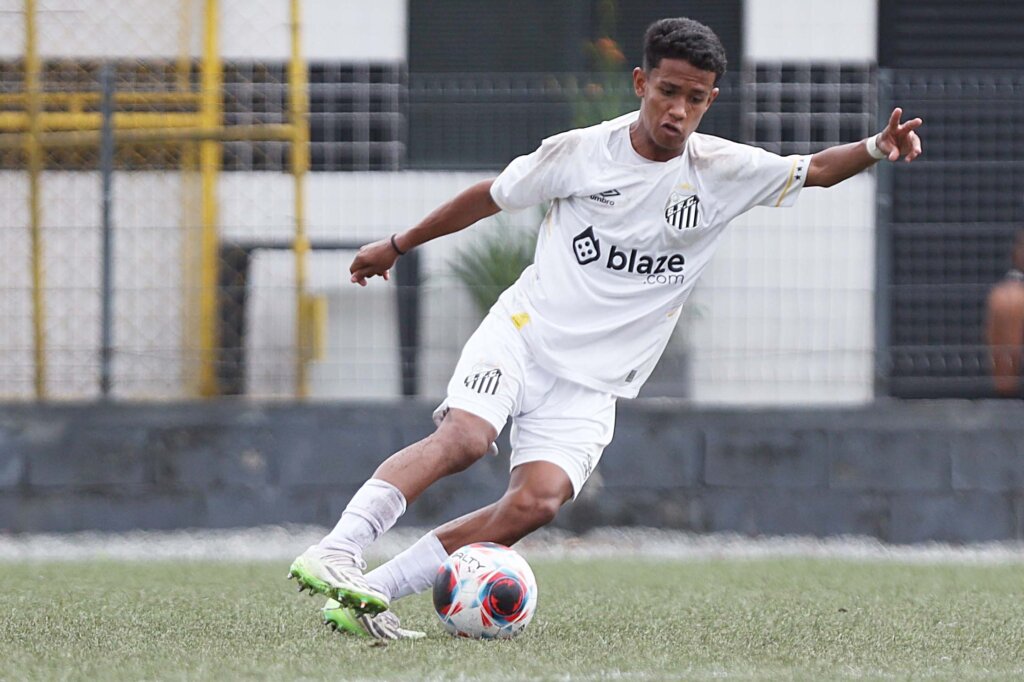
784	312
15	287
356	30
366	31
249	29
782	315
810	30
148	302
154	354
362	353
352	30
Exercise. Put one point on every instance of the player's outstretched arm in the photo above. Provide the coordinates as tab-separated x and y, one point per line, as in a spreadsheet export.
469	206
835	164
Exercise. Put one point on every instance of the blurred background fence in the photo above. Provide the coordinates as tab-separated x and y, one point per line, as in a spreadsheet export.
948	228
219	265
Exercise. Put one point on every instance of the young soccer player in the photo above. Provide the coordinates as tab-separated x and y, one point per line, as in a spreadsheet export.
637	206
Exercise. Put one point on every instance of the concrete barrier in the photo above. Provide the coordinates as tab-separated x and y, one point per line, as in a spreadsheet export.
902	472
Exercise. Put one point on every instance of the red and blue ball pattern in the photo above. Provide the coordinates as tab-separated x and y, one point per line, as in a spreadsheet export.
485	591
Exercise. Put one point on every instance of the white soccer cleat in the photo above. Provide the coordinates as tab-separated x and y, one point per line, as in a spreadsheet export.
338	575
382	626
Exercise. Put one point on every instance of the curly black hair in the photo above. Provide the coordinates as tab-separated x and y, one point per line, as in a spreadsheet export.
685	39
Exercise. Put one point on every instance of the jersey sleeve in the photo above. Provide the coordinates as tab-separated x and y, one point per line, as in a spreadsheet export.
775	180
548	173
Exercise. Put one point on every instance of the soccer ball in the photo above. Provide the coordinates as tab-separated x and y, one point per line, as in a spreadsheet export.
485	591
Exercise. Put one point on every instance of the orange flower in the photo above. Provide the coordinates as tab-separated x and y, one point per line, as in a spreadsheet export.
609	50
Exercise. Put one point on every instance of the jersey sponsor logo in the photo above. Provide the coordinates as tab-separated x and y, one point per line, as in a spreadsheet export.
682	211
657	268
644	264
605	197
484	382
586	246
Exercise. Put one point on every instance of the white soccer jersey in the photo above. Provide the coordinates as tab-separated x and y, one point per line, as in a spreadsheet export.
624	242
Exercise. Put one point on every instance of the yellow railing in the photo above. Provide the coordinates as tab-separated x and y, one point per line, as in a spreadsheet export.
33	109
298	107
36	121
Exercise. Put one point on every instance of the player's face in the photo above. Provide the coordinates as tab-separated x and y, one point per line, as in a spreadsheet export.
674	96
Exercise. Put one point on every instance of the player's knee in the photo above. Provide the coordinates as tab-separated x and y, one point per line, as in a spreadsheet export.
532	508
472	447
464	440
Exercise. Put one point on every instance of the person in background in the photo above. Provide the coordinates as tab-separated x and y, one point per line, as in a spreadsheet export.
1004	328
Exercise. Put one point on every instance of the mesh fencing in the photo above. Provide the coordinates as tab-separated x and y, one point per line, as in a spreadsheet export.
482	121
803	108
948	228
72	42
795	308
52	260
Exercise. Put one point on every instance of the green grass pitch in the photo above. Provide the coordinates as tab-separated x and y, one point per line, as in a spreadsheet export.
598	619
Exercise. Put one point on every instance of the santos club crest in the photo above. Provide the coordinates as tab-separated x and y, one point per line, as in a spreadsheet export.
682	211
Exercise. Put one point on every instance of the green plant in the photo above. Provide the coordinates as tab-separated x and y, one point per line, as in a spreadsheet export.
494	262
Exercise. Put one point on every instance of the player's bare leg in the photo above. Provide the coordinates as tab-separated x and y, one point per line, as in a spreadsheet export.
460	440
535	493
335	565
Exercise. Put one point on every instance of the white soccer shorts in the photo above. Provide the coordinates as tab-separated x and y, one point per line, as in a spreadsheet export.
553	419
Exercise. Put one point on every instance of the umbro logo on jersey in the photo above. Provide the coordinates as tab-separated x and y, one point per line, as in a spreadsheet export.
682	211
605	197
484	382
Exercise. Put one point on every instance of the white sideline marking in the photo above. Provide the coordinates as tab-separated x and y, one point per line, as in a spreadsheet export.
284	543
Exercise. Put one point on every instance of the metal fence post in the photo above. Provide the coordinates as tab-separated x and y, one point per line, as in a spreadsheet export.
407	279
883	246
36	165
106	258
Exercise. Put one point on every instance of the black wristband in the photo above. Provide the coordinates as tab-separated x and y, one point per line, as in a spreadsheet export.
394	245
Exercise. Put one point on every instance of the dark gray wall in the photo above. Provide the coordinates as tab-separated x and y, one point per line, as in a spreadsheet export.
951	34
902	472
536	36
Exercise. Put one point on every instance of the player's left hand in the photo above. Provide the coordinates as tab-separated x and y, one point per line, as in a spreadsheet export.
899	139
373	259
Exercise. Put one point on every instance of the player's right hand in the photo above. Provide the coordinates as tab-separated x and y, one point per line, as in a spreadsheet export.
372	259
899	139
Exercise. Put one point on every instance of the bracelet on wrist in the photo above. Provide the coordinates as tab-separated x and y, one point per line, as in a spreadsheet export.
394	245
873	151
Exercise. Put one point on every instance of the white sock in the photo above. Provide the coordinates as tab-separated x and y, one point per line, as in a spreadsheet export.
372	510
410	572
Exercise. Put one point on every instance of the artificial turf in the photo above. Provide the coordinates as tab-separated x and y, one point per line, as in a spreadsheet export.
598	619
